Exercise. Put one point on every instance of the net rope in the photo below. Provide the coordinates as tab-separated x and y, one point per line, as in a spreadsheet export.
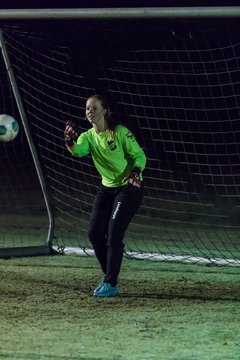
23	221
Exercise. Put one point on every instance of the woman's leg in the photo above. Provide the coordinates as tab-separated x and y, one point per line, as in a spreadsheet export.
126	203
98	225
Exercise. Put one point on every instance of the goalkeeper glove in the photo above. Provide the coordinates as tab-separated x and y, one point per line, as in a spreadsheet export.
134	177
71	133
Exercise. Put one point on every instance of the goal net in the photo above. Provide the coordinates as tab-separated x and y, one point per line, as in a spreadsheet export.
23	217
176	85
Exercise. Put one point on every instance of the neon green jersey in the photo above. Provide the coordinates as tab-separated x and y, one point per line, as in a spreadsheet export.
113	155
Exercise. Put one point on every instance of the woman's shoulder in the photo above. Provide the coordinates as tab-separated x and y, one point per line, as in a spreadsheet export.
89	132
86	135
122	128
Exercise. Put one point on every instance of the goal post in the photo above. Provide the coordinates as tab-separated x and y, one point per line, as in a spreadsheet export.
21	222
37	249
182	12
177	87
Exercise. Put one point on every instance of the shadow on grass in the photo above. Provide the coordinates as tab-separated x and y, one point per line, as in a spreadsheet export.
200	297
29	356
209	288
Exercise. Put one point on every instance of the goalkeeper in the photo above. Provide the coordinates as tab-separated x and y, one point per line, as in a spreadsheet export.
120	161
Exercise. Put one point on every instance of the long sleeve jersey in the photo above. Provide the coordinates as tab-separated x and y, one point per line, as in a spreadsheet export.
113	155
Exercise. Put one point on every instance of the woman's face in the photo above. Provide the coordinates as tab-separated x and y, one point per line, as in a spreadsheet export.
95	112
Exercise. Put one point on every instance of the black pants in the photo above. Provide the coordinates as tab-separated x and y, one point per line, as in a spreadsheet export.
113	209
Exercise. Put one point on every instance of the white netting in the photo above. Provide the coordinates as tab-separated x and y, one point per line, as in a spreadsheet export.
177	88
23	220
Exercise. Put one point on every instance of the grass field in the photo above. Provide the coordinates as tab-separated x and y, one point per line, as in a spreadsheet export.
165	311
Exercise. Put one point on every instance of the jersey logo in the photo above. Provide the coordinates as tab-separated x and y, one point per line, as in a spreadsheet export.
130	136
112	145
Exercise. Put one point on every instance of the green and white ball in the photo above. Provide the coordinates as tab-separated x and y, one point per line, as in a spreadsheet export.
9	128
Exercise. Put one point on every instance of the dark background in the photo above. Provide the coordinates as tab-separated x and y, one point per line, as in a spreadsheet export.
11	4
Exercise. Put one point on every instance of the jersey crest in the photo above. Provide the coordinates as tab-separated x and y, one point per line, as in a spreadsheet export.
112	145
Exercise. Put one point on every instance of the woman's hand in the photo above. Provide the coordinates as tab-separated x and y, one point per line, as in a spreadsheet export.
134	177
72	131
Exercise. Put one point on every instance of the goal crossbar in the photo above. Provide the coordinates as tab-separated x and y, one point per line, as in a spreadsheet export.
121	13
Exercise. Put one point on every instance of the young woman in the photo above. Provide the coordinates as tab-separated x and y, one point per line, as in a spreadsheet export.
120	161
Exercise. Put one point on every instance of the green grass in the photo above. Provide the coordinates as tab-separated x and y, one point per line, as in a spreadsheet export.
165	311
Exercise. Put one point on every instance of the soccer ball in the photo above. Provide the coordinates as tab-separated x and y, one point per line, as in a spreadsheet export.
9	128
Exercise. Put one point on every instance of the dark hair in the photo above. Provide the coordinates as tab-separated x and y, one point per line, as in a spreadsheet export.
111	124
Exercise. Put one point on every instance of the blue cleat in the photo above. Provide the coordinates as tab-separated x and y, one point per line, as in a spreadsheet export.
98	287
106	290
